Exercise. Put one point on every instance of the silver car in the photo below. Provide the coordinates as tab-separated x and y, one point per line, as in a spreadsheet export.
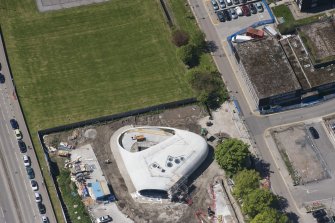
233	13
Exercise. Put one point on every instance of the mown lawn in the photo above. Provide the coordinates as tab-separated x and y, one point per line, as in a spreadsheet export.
90	61
290	23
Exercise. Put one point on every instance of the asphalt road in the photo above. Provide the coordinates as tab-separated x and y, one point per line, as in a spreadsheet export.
17	201
258	124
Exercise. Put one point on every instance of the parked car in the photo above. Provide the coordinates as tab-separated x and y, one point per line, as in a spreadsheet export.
222	4
41	208
34	185
104	219
215	5
259	7
227	15
238	11
38	197
45	219
30	172
245	10
2	78
243	1
22	146
236	2
14	124
233	13
26	160
319	213
323	219
229	2
314	133
252	8
220	16
18	134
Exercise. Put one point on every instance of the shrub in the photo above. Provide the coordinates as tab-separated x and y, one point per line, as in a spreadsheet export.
180	38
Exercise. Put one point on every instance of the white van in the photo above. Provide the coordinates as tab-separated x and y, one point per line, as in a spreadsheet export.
239	11
270	30
229	2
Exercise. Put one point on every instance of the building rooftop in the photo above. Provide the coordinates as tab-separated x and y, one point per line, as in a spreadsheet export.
319	39
307	75
156	158
267	67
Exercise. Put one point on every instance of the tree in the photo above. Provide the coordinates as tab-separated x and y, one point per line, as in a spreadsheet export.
232	155
270	216
245	182
198	40
188	54
208	86
258	201
180	37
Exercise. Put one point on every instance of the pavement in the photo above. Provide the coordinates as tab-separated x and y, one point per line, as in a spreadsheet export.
256	124
17	202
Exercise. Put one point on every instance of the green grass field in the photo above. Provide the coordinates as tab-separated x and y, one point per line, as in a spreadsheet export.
90	61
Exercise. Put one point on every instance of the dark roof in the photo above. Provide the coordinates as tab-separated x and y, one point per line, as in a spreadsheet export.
319	39
308	76
267	67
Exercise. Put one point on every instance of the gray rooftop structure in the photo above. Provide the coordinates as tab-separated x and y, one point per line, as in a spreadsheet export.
267	67
308	76
319	39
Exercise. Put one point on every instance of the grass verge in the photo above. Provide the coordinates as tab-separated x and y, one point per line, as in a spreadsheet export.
293	173
89	61
290	23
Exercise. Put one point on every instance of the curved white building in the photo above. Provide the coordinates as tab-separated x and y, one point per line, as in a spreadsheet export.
157	158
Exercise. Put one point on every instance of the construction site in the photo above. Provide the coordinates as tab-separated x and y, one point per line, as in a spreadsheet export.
201	196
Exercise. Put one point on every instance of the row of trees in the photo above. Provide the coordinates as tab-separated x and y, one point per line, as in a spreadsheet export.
207	84
259	204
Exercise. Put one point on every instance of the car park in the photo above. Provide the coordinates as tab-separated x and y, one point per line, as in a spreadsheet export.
227	15
41	208
259	7
14	124
220	16
236	2
18	134
45	219
222	4
314	133
26	160
104	219
38	197
229	2
245	10
2	78
252	8
233	13
238	11
215	5
30	172
22	146
34	185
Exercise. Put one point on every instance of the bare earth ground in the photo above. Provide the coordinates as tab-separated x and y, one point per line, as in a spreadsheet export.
295	141
182	118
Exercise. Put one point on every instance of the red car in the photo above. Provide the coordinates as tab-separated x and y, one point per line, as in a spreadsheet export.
245	10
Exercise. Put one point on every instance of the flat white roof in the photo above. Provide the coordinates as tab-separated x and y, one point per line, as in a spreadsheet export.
157	157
